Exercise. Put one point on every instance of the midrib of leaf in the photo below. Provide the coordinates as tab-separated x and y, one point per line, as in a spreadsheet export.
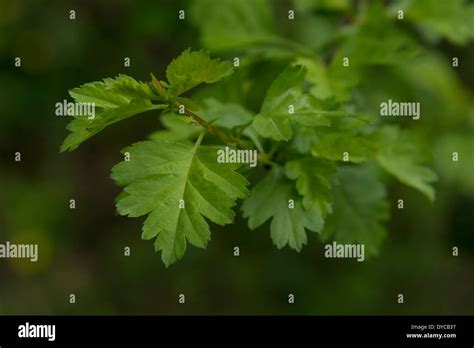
294	232
217	174
210	203
275	127
196	146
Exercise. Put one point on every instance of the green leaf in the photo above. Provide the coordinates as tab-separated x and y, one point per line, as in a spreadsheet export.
159	175
312	182
270	199
233	24
285	93
82	128
129	87
114	100
98	93
225	115
177	128
399	156
274	118
359	208
317	74
303	139
375	41
193	68
334	146
450	19
329	5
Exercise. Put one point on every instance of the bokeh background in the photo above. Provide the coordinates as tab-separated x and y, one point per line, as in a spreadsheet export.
82	250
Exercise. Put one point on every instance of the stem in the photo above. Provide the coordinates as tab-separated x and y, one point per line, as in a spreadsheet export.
199	139
242	128
226	137
223	135
158	106
265	158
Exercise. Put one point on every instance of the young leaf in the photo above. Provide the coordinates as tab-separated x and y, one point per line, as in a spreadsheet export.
177	185
114	100
398	155
129	87
375	41
225	115
99	94
233	24
82	128
334	145
193	68
270	199
359	208
284	94
317	74
450	19
312	181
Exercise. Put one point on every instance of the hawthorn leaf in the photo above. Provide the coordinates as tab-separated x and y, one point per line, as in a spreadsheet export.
303	139
113	101
335	145
98	93
193	68
399	156
318	75
450	19
285	102
233	24
225	115
270	199
375	41
328	5
359	209
312	181
177	185
130	88
83	128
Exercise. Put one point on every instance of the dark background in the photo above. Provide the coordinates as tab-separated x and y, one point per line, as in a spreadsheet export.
81	250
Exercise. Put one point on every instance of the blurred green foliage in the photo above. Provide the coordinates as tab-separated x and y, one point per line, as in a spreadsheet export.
81	250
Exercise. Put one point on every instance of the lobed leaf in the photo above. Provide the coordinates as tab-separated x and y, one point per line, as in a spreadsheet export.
312	181
359	208
114	100
233	24
450	19
193	68
270	199
159	175
286	92
399	156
